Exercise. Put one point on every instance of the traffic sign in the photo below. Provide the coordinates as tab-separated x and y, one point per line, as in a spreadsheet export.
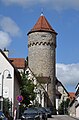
19	98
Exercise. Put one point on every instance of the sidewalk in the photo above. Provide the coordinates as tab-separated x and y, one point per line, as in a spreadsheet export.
75	118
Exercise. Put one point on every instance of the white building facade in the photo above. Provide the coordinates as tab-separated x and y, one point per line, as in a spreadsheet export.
9	87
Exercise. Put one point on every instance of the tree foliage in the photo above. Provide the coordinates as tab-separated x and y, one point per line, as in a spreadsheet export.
6	105
63	108
27	90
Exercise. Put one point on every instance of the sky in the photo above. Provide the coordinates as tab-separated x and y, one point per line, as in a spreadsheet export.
17	17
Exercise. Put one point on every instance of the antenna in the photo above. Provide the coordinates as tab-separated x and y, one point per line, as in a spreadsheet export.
41	11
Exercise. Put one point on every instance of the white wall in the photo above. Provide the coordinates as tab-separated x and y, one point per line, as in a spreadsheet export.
57	101
77	112
8	84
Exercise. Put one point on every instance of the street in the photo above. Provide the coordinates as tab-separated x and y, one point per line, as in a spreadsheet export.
62	117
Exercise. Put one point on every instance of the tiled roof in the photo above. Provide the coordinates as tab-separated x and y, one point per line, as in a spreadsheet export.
18	62
71	95
42	25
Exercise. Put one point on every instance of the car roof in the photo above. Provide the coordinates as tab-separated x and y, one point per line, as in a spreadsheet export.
30	110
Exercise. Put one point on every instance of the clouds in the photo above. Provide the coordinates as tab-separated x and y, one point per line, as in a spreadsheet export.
68	74
54	4
23	3
9	26
5	39
8	29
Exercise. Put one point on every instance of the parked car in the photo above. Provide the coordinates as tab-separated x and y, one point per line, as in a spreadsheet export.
49	112
30	114
42	112
2	116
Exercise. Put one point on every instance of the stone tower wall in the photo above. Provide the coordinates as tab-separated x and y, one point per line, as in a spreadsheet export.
41	57
42	53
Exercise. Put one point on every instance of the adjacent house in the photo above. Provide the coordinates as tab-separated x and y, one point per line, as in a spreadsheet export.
72	104
39	89
62	90
9	88
64	93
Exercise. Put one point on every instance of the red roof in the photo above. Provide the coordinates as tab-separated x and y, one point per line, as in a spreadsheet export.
42	25
71	95
18	62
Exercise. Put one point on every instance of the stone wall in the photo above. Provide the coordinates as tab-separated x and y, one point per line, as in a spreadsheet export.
42	53
41	58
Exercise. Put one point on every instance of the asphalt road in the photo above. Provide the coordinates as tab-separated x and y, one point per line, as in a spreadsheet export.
62	117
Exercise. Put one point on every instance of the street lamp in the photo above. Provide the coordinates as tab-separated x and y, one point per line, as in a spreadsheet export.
8	77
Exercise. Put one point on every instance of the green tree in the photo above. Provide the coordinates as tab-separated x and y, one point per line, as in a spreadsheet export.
63	108
27	89
6	105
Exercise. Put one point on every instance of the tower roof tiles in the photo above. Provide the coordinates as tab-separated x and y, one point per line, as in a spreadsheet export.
42	25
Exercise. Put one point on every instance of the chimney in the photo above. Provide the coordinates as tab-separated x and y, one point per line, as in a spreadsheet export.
6	52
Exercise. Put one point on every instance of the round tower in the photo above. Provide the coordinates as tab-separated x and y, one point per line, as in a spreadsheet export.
42	53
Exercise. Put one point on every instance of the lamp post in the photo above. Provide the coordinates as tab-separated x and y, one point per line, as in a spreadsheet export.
8	77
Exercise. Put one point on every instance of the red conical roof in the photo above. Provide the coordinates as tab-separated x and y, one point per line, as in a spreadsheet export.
42	25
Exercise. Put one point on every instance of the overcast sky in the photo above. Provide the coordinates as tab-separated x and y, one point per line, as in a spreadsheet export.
17	17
